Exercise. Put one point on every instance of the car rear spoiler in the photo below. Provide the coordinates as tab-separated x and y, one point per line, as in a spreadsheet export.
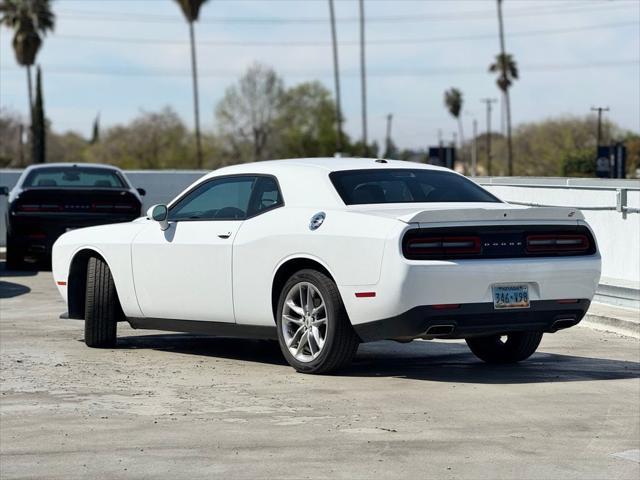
537	214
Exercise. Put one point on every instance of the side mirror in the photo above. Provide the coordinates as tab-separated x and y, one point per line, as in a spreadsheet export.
4	191
141	191
159	213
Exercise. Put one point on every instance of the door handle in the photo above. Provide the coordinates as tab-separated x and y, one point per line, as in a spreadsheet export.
224	235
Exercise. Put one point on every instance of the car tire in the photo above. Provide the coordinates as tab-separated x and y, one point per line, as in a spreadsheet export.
102	308
14	256
340	340
518	346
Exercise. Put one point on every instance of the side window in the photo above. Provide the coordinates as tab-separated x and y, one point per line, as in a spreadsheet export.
266	196
223	199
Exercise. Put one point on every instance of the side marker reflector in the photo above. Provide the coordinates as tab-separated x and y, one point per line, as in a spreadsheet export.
61	283
365	294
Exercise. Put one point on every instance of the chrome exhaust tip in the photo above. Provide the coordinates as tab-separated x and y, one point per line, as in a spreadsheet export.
440	330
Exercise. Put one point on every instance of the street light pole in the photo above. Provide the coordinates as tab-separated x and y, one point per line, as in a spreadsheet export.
363	82
336	76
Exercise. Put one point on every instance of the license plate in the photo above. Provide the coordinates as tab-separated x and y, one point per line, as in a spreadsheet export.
510	296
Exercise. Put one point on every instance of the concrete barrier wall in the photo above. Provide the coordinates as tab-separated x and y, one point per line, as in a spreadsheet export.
618	235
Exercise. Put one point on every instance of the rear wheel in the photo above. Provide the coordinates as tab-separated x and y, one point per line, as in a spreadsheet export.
314	331
102	308
510	348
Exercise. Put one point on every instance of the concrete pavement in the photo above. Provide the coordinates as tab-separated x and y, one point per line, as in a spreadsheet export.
175	406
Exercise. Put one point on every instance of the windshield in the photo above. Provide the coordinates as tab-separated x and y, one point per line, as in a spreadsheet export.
74	177
361	187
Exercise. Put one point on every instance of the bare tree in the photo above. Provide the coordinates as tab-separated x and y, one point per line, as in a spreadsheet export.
248	109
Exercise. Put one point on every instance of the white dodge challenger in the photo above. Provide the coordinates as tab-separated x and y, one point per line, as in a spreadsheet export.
322	254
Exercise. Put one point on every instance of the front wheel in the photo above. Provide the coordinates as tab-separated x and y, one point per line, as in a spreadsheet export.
510	348
314	331
102	308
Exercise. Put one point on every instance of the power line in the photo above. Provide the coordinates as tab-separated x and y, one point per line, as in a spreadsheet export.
453	16
473	70
389	41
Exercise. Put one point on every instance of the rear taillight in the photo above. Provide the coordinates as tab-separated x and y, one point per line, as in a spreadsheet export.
39	207
557	243
110	207
443	246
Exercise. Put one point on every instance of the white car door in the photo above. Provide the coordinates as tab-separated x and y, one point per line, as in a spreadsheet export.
185	272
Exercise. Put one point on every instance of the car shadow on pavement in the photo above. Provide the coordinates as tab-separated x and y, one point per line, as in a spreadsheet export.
10	289
453	362
419	360
260	351
30	272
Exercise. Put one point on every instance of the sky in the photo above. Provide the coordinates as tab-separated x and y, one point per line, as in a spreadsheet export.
119	57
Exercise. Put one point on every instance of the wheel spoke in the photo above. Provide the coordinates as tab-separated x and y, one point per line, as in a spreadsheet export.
315	310
319	321
295	337
315	333
291	304
309	305
303	341
310	343
304	310
289	318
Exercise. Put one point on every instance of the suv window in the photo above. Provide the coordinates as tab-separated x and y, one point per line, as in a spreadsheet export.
359	187
219	199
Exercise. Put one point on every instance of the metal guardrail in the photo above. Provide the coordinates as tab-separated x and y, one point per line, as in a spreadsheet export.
621	196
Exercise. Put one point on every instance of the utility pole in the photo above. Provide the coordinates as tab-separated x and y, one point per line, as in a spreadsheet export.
599	110
363	82
336	76
388	142
474	149
20	145
488	102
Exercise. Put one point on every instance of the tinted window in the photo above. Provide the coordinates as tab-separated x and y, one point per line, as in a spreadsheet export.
223	199
74	177
359	187
266	195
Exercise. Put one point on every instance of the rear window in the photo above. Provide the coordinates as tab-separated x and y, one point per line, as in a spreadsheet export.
73	177
361	187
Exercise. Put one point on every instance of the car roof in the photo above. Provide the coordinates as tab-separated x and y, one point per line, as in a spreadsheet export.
327	164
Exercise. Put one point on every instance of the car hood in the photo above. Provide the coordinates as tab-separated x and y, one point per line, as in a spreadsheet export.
429	213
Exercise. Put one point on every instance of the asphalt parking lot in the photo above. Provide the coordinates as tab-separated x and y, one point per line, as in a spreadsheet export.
177	406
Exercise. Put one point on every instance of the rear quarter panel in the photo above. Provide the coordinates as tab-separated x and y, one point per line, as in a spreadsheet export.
349	245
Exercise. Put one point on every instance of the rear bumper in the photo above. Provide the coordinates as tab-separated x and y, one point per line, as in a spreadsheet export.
474	319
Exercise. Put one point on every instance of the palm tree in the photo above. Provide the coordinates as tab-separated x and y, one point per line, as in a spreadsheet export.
31	20
508	72
191	11
453	101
